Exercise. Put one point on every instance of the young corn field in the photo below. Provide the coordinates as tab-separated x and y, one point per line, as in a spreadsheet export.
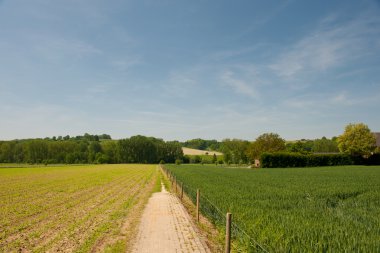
324	209
70	208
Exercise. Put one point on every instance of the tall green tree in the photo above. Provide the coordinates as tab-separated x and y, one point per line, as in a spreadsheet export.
234	150
325	145
357	140
302	147
268	142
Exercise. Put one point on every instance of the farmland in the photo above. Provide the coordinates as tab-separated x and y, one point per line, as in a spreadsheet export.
333	209
71	208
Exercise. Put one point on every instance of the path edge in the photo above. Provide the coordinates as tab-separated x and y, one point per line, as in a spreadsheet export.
207	232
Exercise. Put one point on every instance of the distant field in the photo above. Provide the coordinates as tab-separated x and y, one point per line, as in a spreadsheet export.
325	209
190	151
70	208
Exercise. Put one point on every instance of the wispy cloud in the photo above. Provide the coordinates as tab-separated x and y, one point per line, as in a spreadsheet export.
180	83
239	86
331	45
58	48
125	64
325	101
233	53
265	18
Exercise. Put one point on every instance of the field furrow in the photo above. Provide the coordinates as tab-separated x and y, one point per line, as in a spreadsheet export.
71	214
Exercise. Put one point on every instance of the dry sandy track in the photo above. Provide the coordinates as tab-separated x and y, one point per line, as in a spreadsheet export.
166	227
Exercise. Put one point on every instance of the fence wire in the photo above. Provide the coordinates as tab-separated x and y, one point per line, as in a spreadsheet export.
241	240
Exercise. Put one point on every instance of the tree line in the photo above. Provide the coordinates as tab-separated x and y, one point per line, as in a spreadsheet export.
90	149
237	151
357	141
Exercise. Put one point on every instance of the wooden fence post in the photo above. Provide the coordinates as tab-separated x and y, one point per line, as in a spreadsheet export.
198	197
228	233
181	190
175	185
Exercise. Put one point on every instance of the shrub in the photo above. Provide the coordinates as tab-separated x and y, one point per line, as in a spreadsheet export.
186	159
283	160
178	162
373	160
195	159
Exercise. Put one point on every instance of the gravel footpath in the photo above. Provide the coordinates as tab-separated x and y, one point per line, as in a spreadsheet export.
166	227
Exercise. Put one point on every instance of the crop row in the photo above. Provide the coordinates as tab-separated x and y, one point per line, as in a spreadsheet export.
82	205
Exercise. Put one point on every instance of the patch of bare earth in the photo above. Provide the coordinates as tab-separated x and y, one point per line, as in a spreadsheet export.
167	227
190	151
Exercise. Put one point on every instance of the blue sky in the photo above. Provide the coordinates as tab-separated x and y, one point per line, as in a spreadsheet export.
179	70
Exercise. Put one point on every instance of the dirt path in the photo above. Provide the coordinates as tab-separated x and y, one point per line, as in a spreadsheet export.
166	227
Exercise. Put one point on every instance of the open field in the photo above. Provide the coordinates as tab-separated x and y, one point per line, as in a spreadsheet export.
191	151
329	209
71	208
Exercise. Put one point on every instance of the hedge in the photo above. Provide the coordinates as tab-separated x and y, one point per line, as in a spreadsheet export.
372	160
283	160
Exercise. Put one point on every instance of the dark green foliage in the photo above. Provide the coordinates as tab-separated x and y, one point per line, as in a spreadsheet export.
89	149
303	147
186	159
214	159
284	160
234	151
195	159
268	142
325	145
322	145
202	144
371	160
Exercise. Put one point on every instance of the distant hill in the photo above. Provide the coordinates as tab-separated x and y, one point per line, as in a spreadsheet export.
191	151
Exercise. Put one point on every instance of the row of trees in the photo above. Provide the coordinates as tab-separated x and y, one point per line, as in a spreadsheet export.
322	145
90	149
202	144
357	140
241	151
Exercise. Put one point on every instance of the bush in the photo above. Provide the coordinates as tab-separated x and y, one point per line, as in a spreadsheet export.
195	159
374	159
283	160
186	159
178	162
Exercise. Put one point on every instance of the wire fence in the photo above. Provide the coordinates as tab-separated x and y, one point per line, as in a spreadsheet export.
241	241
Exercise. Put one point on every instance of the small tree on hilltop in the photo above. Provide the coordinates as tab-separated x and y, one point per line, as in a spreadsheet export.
357	140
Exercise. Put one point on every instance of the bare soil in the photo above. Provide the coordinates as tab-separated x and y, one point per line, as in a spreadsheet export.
190	151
